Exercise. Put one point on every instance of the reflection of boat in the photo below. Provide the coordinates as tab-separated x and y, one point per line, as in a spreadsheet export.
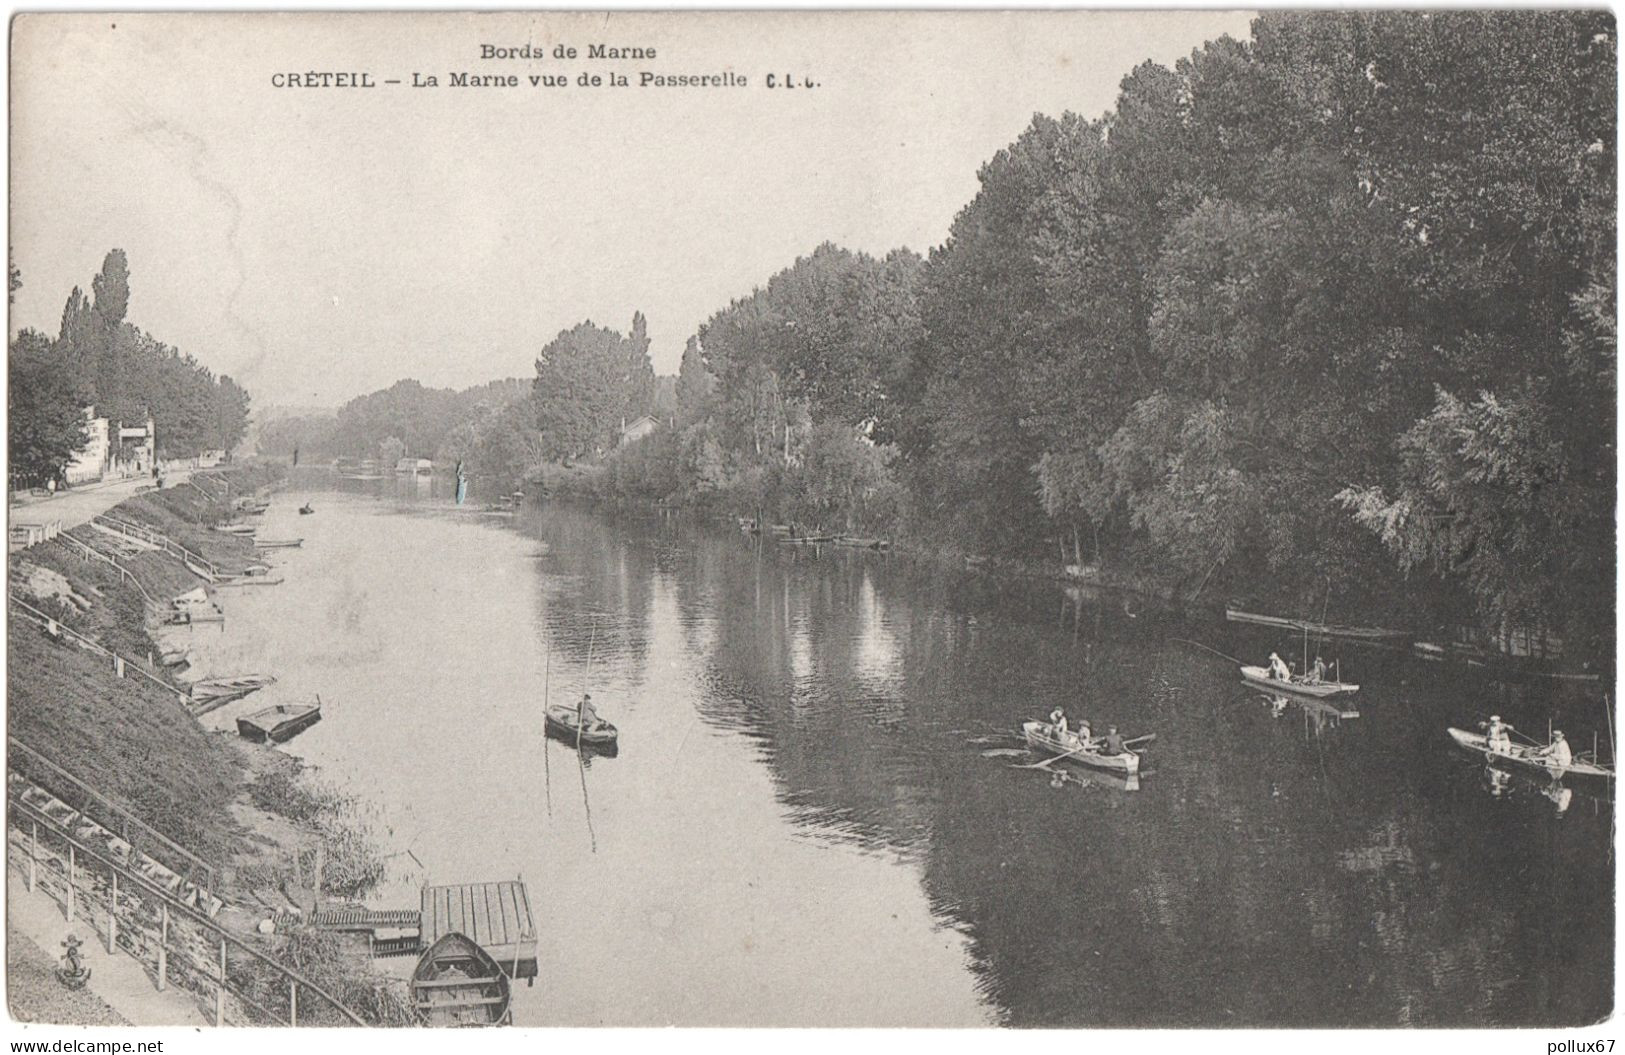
1529	756
457	983
1320	689
1358	633
1317	708
563	721
280	723
1040	738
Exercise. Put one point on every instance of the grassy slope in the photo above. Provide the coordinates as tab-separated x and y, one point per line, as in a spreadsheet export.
126	736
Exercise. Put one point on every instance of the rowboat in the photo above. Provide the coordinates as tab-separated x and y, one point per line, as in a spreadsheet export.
277	543
457	983
1320	689
563	721
1528	756
280	723
1358	633
235	529
807	540
242	685
1040	738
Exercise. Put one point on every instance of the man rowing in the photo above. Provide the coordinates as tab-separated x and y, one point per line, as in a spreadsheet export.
1557	754
1114	742
587	714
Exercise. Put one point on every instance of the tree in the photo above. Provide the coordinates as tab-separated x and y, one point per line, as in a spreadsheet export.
695	384
579	396
638	377
45	410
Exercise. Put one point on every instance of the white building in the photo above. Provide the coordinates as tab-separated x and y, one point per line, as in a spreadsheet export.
633	431
90	463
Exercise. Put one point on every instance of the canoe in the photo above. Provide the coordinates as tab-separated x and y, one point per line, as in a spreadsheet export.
277	543
1528	756
562	722
280	723
457	983
1320	690
235	529
1358	633
1039	738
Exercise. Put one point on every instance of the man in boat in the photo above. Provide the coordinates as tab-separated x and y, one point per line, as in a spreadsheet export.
1496	736
1114	742
1318	673
1057	724
1557	752
587	713
1083	736
1278	669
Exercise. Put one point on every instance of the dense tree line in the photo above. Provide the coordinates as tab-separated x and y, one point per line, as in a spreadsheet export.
1325	313
100	359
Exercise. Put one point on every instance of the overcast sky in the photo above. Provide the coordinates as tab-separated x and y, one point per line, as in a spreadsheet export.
321	243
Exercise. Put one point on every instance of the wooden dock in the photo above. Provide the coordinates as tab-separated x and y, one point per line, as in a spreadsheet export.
497	916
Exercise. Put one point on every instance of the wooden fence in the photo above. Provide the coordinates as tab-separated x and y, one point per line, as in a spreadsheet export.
121	665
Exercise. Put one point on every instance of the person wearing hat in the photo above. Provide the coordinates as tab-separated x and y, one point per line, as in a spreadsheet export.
1496	738
588	715
1557	752
1114	742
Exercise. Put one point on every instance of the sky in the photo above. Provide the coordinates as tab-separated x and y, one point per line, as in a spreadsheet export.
320	243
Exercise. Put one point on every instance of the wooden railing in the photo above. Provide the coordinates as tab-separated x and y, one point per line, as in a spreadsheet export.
88	552
199	871
193	561
78	888
121	665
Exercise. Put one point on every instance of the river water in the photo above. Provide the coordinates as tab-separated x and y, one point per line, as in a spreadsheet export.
816	815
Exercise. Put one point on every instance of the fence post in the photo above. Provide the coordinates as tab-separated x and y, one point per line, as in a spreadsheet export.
33	858
112	913
163	943
118	666
293	1002
72	886
220	990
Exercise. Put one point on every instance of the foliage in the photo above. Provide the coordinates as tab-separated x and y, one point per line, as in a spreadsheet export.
46	420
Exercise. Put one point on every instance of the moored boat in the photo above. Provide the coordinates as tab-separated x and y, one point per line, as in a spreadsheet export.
1358	633
1040	738
242	685
278	543
1529	756
457	983
1319	689
235	529
279	723
563	722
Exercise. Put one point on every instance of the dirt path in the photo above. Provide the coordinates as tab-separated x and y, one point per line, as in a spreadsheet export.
80	504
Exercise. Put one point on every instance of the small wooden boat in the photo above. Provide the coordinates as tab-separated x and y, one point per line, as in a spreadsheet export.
1040	738
862	543
278	543
208	688
563	722
306	509
1358	633
807	540
235	529
1529	756
457	983
280	723
1319	689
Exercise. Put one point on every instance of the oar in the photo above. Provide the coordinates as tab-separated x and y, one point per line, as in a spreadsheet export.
1147	738
1199	645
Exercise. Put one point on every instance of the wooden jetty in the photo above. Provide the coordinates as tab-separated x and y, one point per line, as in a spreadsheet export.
496	915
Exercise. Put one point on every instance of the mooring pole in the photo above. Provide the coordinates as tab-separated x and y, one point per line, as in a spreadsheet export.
293	1002
33	858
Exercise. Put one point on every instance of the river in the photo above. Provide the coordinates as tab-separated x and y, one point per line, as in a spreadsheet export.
816	815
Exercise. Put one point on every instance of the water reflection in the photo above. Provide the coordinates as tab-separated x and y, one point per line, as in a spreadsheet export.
806	818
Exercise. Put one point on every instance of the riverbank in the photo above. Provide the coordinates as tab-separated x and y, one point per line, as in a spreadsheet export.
254	815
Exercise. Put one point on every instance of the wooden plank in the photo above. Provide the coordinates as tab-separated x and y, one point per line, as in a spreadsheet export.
492	924
510	917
